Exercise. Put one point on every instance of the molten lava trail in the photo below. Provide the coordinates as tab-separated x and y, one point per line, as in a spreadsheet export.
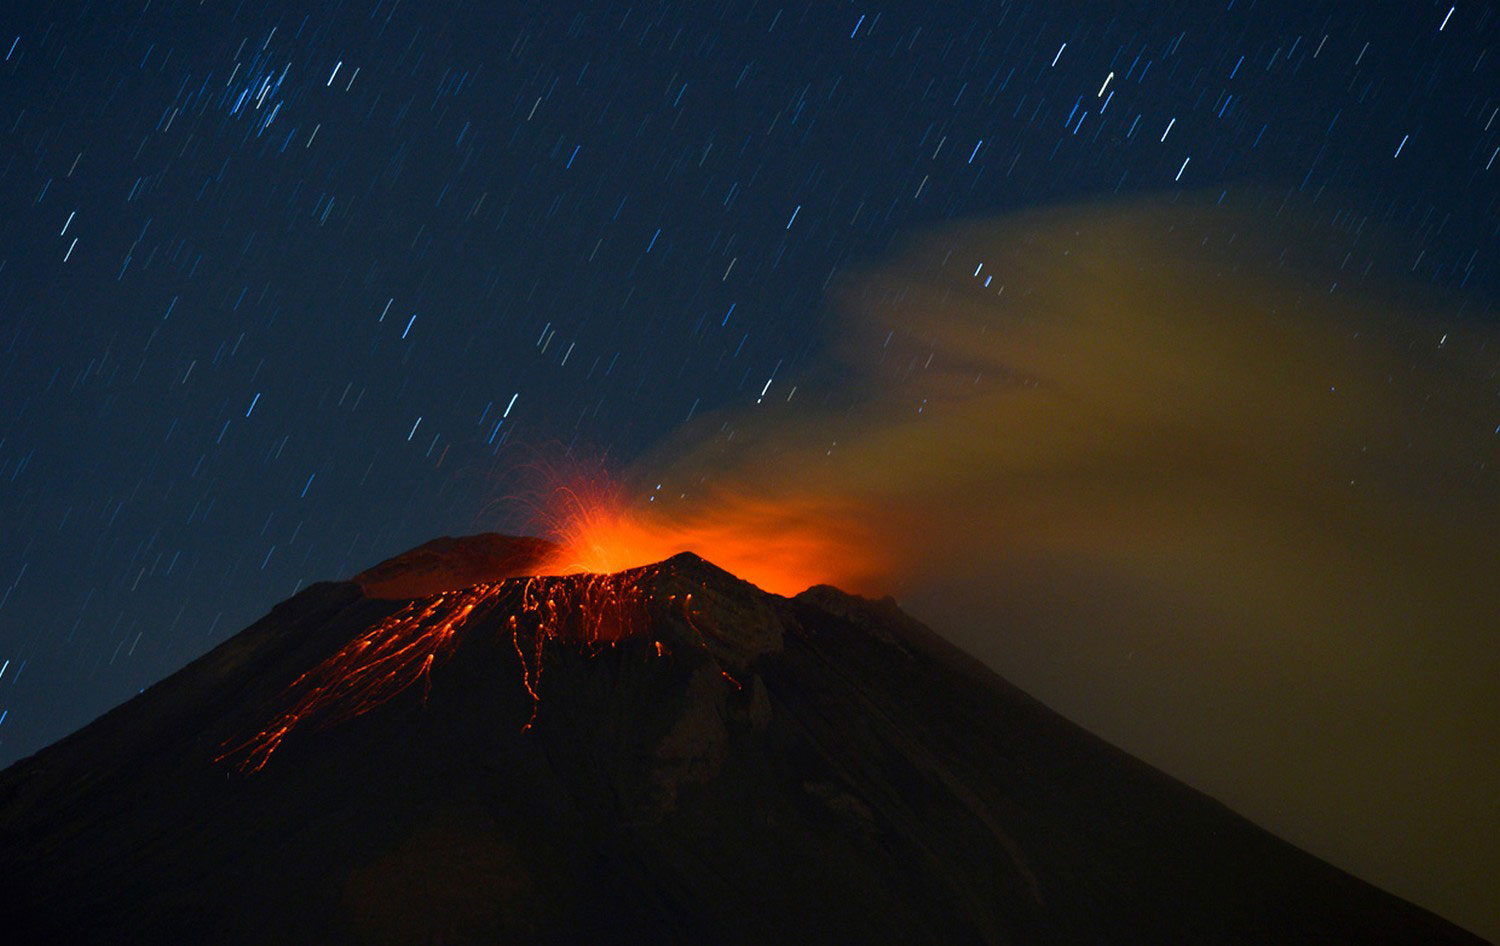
585	610
589	611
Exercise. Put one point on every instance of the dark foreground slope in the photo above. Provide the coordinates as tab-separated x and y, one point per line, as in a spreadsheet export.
744	768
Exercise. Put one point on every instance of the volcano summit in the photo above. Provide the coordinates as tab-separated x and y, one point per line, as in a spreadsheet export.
451	749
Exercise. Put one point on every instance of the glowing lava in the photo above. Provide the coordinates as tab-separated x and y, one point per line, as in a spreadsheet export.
588	611
783	545
369	670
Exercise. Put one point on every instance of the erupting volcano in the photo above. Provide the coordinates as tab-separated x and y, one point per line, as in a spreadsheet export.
458	746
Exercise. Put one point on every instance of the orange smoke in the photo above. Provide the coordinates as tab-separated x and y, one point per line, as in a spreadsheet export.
784	544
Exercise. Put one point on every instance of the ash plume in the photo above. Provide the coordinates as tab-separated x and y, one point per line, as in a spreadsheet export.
1195	476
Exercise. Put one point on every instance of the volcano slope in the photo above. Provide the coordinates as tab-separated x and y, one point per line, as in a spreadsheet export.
668	754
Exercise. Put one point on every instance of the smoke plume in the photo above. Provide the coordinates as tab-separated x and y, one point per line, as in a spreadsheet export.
1188	475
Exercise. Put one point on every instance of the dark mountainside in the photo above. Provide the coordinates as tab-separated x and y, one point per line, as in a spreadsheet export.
737	767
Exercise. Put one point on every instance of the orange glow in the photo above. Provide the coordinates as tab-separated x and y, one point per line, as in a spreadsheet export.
596	596
783	546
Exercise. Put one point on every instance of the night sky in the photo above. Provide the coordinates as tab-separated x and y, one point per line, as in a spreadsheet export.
286	289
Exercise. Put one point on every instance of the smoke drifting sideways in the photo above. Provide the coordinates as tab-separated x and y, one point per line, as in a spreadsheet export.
1189	475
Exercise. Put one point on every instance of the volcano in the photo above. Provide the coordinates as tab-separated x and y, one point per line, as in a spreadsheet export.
450	749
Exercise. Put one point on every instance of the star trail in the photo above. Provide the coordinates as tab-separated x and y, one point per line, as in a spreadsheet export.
286	289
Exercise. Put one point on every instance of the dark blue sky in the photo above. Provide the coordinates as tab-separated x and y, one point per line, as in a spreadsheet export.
285	292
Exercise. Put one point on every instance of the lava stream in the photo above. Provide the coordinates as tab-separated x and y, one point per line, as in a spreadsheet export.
585	610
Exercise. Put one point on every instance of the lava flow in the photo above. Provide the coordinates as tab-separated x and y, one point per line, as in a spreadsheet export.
369	670
589	611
